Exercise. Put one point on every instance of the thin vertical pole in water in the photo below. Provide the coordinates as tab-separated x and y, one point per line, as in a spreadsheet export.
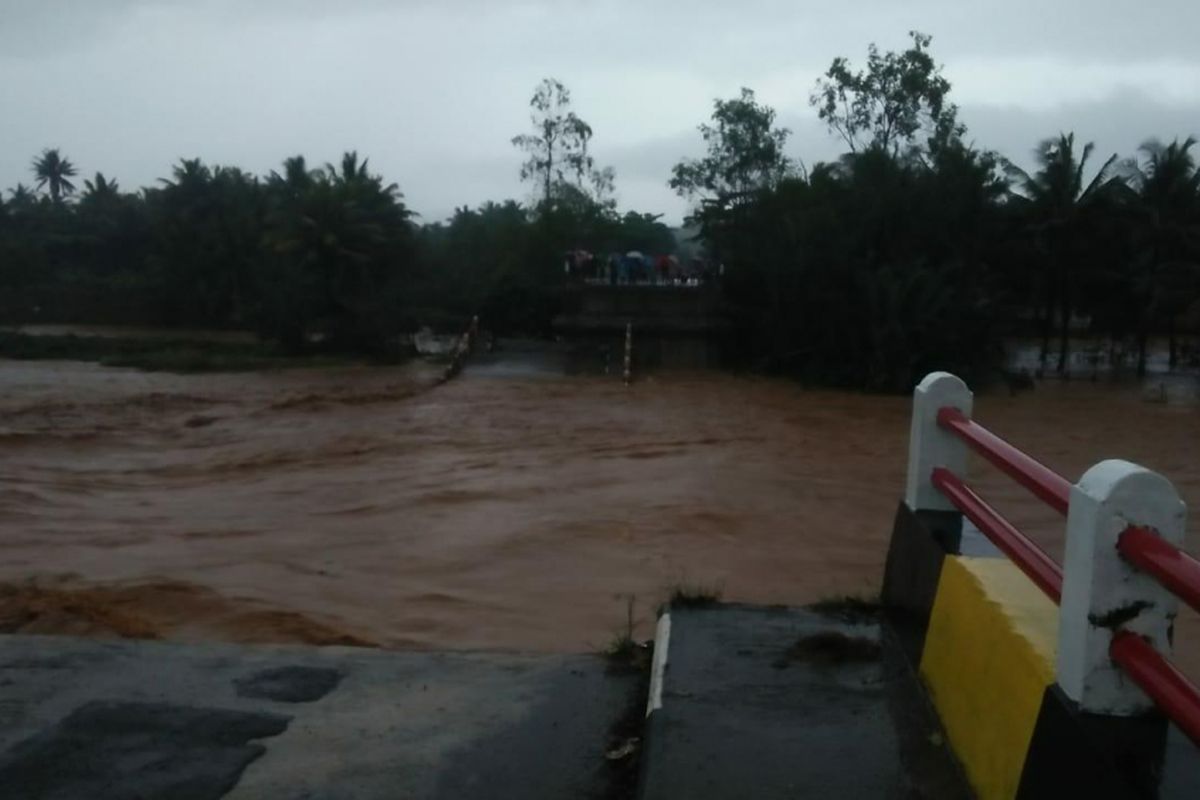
628	353
462	350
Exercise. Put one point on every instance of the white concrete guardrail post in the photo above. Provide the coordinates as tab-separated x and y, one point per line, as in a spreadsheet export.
930	446
1103	593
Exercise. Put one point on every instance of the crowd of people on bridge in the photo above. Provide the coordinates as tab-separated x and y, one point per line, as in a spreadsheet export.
635	268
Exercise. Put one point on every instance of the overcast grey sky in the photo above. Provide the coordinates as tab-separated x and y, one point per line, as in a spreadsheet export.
433	91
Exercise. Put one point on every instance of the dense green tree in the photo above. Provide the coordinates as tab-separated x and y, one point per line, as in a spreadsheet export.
23	247
208	222
869	272
641	231
100	190
21	197
338	241
310	257
1063	211
745	153
468	260
1167	189
558	160
891	103
295	180
111	236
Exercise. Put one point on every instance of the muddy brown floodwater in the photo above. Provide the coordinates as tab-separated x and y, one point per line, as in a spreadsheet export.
501	510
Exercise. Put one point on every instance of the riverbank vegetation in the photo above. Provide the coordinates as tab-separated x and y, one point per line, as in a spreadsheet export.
914	251
162	353
918	251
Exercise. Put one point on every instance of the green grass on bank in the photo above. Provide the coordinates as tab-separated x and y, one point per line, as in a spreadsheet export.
160	355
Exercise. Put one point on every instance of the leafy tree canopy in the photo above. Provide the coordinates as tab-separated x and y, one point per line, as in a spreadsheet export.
891	102
745	152
557	157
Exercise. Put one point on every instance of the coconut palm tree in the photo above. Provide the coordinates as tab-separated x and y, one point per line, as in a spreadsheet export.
208	231
1167	184
54	172
21	198
189	173
352	170
336	238
100	189
295	179
1059	206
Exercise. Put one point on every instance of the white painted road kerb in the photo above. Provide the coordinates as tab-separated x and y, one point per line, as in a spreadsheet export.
658	666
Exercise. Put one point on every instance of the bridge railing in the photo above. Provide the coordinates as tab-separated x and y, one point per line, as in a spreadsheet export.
1124	569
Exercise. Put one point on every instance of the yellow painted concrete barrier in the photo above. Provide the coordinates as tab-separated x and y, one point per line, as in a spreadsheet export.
988	658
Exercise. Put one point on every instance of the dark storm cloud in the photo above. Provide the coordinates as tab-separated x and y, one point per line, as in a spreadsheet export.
432	90
1118	124
1112	30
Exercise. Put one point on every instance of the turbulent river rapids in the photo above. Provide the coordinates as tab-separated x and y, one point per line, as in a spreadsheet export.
516	507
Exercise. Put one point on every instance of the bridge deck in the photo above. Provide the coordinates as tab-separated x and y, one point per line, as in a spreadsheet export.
103	720
785	703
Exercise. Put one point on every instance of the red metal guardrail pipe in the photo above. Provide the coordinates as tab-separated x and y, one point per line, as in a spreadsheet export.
1170	566
1028	557
1178	698
1045	483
